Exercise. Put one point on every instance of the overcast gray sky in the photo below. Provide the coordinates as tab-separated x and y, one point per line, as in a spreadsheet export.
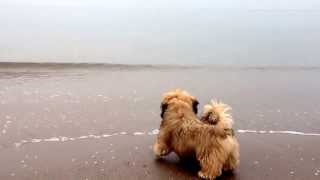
246	32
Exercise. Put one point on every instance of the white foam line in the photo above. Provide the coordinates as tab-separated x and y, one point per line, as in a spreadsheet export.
150	133
277	132
65	139
154	132
139	133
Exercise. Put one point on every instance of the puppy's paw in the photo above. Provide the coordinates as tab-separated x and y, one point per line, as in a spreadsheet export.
160	150
228	169
204	175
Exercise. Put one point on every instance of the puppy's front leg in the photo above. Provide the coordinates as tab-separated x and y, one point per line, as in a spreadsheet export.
161	147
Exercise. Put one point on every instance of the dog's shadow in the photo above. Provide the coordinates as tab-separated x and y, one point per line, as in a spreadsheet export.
187	167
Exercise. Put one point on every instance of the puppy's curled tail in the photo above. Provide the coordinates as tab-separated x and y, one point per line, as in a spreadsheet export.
217	112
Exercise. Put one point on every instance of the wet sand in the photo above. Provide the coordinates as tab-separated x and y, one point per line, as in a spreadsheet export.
99	122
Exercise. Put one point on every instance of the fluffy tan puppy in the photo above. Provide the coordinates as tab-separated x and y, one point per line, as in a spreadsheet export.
217	114
183	133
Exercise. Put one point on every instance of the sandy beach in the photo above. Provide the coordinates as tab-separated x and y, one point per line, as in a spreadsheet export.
90	122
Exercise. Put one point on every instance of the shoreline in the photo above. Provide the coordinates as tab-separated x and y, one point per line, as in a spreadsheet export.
69	65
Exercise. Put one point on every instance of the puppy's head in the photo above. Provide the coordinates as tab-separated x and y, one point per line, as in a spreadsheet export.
179	96
217	113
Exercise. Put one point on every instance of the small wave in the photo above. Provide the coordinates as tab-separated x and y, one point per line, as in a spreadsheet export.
150	133
277	132
90	136
52	66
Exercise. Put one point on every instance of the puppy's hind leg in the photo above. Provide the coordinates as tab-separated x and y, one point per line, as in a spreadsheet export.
211	167
233	161
161	147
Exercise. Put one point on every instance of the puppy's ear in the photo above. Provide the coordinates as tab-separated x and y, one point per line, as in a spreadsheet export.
163	107
195	104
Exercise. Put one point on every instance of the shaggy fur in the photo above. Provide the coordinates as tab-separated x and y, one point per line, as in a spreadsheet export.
217	115
183	133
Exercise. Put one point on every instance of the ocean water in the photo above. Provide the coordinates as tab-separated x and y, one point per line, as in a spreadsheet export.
151	32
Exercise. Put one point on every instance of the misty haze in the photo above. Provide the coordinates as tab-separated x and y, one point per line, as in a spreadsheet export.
161	32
